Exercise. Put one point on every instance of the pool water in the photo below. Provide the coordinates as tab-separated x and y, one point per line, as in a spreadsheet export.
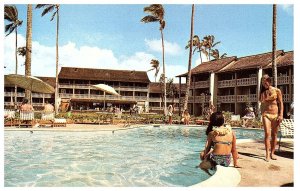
147	156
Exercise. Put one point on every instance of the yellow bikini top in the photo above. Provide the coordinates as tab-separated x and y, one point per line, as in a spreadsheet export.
272	95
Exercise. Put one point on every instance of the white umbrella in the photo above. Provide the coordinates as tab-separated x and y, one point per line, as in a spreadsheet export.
106	89
29	83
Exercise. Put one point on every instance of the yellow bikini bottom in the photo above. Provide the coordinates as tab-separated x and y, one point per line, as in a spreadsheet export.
271	117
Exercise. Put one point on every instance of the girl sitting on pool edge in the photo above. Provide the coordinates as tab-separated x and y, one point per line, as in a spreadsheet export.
220	144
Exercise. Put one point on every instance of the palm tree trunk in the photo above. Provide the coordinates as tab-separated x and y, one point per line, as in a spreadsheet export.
56	71
274	65
16	71
164	72
200	56
28	48
188	81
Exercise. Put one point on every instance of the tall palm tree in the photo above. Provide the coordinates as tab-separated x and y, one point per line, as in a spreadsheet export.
157	13
198	46
155	66
28	47
47	9
11	15
188	80
209	43
172	90
274	38
216	54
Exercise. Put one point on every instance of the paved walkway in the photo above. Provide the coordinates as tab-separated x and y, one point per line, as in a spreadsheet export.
256	172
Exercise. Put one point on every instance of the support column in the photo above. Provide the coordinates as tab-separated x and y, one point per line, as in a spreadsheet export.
212	87
193	83
235	94
179	96
290	85
259	76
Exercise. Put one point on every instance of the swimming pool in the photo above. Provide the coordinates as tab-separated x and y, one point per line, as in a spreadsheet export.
147	156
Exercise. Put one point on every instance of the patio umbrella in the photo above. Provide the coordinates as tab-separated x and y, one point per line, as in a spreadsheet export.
29	83
106	89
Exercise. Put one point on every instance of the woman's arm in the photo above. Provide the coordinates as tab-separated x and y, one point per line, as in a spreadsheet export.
280	105
234	150
207	145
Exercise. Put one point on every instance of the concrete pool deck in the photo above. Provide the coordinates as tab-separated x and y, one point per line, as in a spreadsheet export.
254	171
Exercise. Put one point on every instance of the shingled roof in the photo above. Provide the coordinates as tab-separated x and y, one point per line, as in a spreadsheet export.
211	66
154	87
253	61
103	74
48	80
285	59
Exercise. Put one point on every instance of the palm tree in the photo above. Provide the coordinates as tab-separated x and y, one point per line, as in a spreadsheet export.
11	15
157	13
188	80
22	51
198	46
172	90
47	9
28	47
274	27
216	54
209	43
155	66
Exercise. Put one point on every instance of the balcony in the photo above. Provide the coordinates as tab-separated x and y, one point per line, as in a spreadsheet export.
283	80
246	81
202	99
226	99
200	84
155	99
286	97
226	83
246	98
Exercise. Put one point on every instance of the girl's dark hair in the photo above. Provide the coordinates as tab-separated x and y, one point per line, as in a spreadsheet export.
262	88
216	119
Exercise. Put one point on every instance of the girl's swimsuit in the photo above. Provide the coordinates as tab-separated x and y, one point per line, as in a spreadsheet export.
271	97
223	160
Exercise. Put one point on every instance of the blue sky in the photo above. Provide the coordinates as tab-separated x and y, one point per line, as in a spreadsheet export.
112	36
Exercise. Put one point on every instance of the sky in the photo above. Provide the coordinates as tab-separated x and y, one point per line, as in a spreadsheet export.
111	36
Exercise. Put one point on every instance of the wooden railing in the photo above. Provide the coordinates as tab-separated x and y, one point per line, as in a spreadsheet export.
246	98
246	81
226	83
200	84
226	99
286	97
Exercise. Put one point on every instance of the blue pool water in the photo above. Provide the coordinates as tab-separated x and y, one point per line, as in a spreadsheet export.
148	156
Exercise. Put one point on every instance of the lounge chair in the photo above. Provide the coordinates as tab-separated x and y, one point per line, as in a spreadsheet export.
47	119
26	118
10	115
59	122
286	130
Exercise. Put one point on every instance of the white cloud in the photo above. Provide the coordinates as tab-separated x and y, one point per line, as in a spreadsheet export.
170	48
70	55
288	8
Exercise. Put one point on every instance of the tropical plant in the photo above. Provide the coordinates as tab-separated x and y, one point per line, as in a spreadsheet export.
157	13
216	55
28	47
274	38
172	90
11	15
155	66
47	9
22	51
198	46
188	80
209	43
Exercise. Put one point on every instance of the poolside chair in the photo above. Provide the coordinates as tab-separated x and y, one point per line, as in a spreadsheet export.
47	119
59	122
10	115
286	129
26	117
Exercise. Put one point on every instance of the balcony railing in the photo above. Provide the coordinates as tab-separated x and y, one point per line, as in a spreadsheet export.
155	99
246	98
226	83
247	81
202	99
283	79
286	97
226	99
200	84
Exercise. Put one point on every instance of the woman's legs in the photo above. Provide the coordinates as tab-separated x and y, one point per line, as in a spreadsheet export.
274	132
267	129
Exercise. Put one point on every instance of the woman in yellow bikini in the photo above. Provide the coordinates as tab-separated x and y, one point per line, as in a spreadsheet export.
272	114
